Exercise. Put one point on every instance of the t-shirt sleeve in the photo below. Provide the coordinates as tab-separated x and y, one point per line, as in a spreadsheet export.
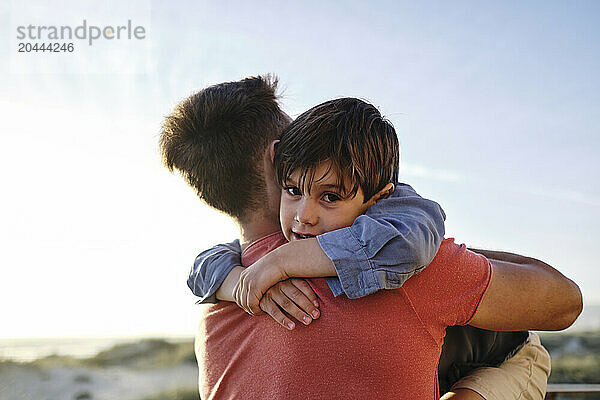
450	290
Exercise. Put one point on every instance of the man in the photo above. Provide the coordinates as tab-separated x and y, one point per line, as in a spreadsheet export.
251	229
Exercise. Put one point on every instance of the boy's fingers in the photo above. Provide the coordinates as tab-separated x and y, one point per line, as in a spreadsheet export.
306	289
252	304
237	294
284	302
245	295
268	306
241	298
300	298
240	294
251	297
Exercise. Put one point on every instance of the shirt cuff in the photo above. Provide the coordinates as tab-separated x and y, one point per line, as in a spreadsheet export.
211	296
355	274
210	269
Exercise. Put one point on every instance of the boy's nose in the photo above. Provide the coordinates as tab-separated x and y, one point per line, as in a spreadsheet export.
306	213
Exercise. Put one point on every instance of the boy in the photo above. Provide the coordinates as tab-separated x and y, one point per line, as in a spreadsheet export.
304	233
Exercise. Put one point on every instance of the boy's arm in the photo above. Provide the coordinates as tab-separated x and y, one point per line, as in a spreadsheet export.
395	239
226	291
216	273
210	269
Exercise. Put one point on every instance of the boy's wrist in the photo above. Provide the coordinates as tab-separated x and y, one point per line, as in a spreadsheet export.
303	259
227	289
278	267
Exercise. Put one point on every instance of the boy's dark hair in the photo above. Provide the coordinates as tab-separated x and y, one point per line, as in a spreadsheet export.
217	138
351	134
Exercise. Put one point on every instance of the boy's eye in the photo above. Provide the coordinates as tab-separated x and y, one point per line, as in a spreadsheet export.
293	191
331	197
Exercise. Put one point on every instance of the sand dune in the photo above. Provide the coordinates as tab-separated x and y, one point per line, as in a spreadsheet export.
125	372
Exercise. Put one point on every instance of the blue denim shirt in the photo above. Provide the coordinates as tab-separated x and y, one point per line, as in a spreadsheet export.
395	239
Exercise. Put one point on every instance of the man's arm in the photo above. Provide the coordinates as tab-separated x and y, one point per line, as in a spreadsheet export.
526	294
461	287
462	394
466	348
524	375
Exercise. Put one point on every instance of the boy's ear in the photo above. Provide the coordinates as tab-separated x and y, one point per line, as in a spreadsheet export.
382	194
272	149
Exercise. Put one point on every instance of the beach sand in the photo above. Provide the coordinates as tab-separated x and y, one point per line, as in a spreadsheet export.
135	371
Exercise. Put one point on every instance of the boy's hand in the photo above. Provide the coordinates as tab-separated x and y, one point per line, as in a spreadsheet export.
299	258
293	296
254	281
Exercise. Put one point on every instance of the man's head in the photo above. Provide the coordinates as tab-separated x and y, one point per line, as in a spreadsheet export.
333	162
217	139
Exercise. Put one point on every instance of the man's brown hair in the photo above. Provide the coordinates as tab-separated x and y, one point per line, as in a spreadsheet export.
361	146
217	138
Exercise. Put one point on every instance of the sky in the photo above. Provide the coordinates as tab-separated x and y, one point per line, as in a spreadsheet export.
496	105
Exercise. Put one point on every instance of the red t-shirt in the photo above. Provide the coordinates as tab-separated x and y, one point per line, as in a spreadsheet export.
383	346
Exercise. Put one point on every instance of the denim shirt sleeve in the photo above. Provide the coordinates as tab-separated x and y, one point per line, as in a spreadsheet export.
210	269
395	239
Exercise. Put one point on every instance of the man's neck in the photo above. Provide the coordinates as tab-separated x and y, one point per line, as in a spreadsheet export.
257	227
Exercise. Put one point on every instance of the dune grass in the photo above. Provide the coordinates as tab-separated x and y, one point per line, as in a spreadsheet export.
145	354
176	394
575	356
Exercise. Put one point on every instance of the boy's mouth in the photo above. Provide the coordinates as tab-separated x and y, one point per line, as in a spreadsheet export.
300	236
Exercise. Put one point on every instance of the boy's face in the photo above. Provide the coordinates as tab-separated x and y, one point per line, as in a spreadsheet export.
324	209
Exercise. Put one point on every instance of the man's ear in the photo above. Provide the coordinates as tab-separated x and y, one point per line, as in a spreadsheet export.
272	149
382	194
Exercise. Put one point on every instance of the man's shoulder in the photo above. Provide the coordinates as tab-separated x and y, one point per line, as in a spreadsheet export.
459	254
451	263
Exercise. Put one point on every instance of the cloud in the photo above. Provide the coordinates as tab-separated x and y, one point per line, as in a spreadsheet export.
420	171
560	194
412	171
